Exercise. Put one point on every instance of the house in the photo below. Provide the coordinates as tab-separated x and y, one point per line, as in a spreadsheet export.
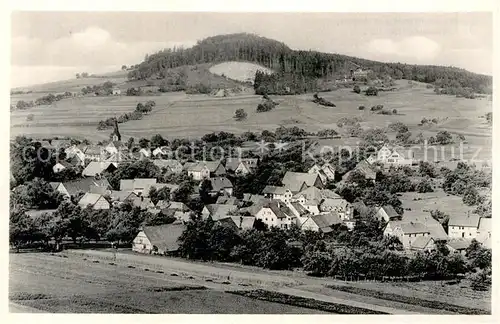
115	146
94	153
458	245
298	210
435	228
144	153
298	181
484	232
384	153
119	157
76	150
204	169
62	165
96	201
364	168
198	171
423	244
116	91
117	196
218	211
326	172
386	214
161	151
72	188
241	166
221	185
138	185
463	226
321	223
226	200
169	166
276	213
76	160
372	159
162	239
406	232
399	158
97	168
243	222
277	193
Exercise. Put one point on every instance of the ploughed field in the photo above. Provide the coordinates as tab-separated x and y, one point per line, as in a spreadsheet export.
181	115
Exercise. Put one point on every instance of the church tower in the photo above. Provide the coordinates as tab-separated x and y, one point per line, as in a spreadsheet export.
115	136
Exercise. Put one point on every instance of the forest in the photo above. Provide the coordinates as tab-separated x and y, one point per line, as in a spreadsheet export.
299	65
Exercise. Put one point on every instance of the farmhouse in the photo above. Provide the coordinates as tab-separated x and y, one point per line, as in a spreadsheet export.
121	196
97	168
463	226
161	239
161	151
94	153
326	172
218	211
204	169
72	188
138	186
277	193
459	245
221	186
484	232
276	213
297	181
96	201
406	232
365	168
169	166
387	214
436	230
321	223
423	244
241	166
62	165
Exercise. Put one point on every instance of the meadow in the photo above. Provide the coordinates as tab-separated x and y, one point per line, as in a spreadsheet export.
180	115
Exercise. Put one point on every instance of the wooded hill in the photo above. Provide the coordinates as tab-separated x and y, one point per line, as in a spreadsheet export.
301	66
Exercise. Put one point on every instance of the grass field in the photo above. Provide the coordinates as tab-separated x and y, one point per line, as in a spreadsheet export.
240	71
55	284
180	115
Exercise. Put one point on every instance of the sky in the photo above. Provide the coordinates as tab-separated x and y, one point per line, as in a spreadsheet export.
50	46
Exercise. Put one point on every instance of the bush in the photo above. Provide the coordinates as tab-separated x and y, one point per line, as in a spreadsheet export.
424	187
268	105
371	91
322	101
377	107
356	89
30	117
240	114
361	107
394	111
480	281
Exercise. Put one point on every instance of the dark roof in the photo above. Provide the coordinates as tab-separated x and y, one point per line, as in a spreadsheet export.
83	185
228	222
459	244
219	211
421	242
274	190
413	228
165	237
464	220
389	210
220	183
227	200
279	209
326	221
295	180
299	208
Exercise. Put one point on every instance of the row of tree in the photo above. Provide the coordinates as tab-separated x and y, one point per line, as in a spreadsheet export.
137	114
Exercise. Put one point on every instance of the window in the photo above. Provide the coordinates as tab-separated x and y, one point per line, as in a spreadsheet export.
463	234
391	160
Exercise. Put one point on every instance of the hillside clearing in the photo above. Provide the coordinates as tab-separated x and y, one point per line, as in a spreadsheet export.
239	71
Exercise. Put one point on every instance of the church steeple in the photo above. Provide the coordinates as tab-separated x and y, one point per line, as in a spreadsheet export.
116	133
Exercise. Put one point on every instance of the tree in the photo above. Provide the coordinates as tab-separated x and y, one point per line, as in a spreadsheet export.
240	114
394	111
471	197
158	141
424	186
130	142
357	89
159	194
36	194
489	118
143	143
444	138
371	91
317	263
426	169
480	280
124	67
21	228
361	107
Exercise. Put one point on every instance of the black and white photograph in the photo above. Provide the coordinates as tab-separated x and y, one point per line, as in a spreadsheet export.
327	163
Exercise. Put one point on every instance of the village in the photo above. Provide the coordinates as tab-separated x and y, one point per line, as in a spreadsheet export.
302	200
